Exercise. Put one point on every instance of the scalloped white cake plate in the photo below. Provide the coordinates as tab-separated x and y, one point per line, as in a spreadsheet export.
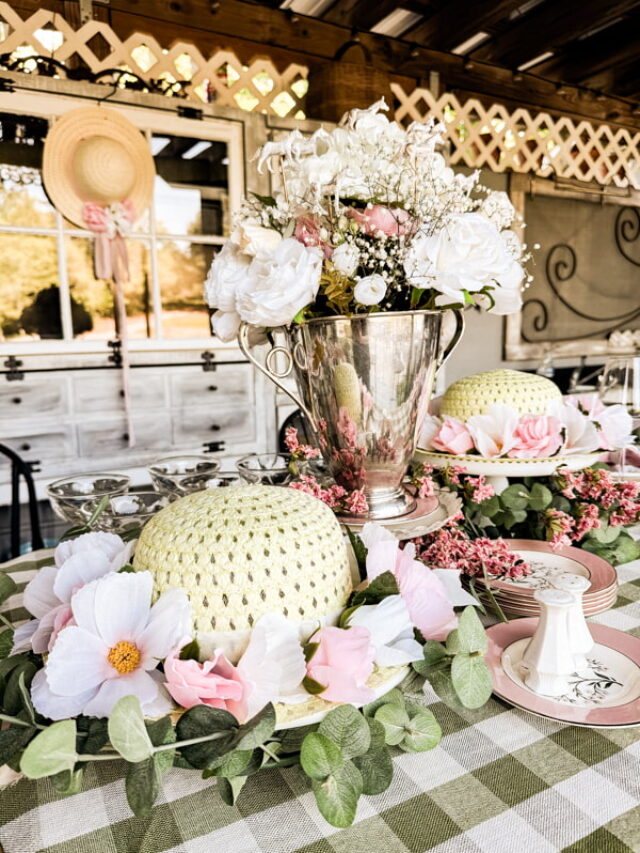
508	467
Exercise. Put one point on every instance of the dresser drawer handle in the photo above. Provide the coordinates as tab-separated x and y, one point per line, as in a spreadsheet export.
16	400
215	428
25	446
213	387
125	436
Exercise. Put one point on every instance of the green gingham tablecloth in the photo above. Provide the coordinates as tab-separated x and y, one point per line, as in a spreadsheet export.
501	780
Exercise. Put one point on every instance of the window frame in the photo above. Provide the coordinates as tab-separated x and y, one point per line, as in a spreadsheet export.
144	113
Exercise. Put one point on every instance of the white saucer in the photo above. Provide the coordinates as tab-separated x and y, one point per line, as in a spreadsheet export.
506	467
430	515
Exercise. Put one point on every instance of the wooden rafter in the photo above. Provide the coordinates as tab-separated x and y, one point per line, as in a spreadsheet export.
452	24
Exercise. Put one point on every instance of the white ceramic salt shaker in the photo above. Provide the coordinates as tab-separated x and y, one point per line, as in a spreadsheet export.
580	639
548	660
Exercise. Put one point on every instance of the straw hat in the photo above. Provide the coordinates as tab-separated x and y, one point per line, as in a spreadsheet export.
94	154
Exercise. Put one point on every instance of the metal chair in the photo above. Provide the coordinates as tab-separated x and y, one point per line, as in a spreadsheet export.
19	468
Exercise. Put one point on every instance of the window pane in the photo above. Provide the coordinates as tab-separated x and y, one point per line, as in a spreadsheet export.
29	295
92	298
191	185
22	198
182	268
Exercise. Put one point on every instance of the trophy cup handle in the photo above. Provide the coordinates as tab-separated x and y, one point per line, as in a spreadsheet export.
270	370
455	339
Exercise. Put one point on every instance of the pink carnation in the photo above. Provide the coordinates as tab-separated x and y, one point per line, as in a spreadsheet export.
216	682
536	437
452	437
342	663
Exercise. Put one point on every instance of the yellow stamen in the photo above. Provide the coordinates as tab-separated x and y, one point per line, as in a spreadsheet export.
124	657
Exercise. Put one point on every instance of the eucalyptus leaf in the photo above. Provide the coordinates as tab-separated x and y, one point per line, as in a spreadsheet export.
12	740
395	720
513	517
161	733
515	497
200	721
393	697
348	729
292	738
127	731
423	732
541	497
469	636
490	507
97	734
229	789
440	680
376	769
6	642
337	795
626	549
68	782
15	695
605	534
434	654
561	503
26	697
234	764
376	735
471	679
379	588
142	786
257	730
7	587
52	751
319	756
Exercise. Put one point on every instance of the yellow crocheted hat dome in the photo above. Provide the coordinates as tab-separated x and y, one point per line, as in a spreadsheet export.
528	393
244	551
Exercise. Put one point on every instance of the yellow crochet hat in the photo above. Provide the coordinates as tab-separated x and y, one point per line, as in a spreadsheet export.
528	393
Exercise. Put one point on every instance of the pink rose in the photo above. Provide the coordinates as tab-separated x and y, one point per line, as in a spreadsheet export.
452	437
216	682
536	437
381	220
95	217
343	662
425	597
307	232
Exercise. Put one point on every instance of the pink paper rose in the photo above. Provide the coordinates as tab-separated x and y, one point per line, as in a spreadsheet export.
216	682
536	437
384	220
307	232
452	437
343	662
95	216
425	597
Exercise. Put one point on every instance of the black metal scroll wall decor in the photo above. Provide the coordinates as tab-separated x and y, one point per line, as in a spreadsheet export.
561	266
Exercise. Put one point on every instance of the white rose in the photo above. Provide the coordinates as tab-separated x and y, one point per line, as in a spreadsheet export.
280	283
345	259
228	270
370	290
253	238
467	254
226	325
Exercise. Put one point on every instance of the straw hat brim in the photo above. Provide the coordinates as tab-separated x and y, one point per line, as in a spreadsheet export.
58	159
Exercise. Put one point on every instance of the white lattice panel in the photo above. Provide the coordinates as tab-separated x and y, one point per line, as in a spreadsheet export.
520	141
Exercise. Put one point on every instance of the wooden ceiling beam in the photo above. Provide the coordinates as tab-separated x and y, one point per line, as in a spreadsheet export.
550	26
365	14
457	21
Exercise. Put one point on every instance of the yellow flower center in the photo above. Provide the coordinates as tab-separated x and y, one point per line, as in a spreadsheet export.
124	657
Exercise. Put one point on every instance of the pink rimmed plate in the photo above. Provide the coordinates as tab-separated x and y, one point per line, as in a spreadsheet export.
430	514
606	694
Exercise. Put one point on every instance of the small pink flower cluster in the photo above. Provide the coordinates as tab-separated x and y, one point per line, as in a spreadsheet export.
335	497
596	488
452	549
559	527
297	450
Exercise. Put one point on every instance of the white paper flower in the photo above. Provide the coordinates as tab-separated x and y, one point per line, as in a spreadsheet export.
113	649
279	284
370	290
391	631
225	325
345	259
228	270
252	238
580	434
273	664
47	597
494	432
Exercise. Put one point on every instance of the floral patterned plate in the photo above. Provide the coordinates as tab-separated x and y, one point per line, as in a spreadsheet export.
605	694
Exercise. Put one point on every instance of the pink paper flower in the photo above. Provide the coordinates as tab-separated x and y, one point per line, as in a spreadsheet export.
452	437
536	437
425	597
308	232
343	662
95	216
390	222
216	682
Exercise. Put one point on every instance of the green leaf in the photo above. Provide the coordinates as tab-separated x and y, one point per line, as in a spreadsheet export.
490	507
626	549
15	693
142	786
359	550
190	652
97	734
337	795
440	680
469	636
395	720
515	497
435	655
312	686
6	642
423	732
52	751
292	738
12	740
309	651
234	764
383	586
68	782
199	721
229	789
561	503
471	680
348	729
541	497
100	508
376	769
376	735
10	663
266	200
7	587
258	729
319	756
161	733
513	517
343	622
605	534
127	731
127	569
26	697
393	697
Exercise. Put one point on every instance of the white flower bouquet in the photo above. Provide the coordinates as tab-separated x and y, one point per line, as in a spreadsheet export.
369	218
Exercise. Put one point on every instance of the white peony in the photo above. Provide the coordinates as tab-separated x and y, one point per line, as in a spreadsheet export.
252	238
370	290
278	284
228	270
346	258
226	325
467	254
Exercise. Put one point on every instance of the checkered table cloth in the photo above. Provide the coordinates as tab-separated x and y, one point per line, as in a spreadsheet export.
501	780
